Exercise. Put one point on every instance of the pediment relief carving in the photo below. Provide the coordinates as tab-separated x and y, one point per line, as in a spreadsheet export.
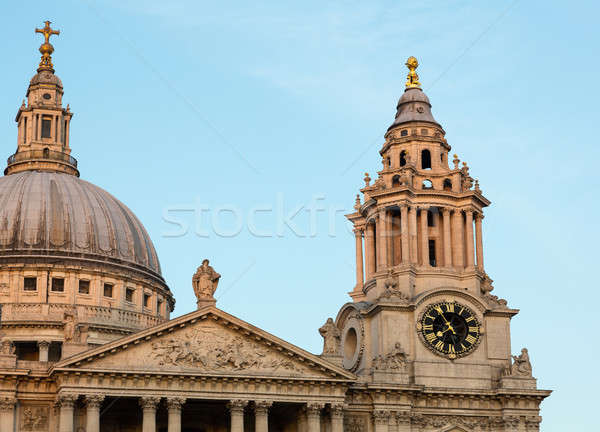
213	348
205	345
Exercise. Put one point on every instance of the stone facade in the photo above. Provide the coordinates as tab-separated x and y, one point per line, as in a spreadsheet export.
423	346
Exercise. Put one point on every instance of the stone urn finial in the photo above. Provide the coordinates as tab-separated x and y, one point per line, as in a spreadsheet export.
205	283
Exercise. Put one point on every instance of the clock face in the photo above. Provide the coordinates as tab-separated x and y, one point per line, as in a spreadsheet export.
449	329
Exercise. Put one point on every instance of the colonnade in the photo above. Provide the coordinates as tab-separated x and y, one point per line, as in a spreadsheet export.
409	235
309	419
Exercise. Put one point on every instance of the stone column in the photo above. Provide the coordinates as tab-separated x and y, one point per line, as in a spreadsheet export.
381	241
479	240
337	418
404	234
424	237
447	239
7	413
313	417
389	238
381	419
470	240
92	416
370	250
66	405
149	404
458	240
236	411
174	405
358	234
43	347
261	416
412	229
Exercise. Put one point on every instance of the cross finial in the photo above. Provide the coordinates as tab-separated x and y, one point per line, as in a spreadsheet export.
412	80
46	49
47	31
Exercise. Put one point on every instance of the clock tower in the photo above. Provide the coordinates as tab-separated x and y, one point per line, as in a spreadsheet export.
424	327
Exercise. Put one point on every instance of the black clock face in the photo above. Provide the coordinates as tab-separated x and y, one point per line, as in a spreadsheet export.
450	329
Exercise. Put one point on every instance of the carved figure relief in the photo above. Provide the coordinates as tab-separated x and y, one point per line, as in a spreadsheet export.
355	424
521	365
216	349
332	337
205	281
395	360
392	292
7	347
34	419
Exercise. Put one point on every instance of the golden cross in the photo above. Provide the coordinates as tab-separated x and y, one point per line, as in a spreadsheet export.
47	31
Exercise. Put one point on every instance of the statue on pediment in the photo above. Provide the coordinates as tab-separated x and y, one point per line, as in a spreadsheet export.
205	283
331	337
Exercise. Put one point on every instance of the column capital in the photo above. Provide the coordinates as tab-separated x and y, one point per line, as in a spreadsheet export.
313	409
262	407
237	405
403	417
149	402
7	403
381	417
66	400
337	411
469	211
175	403
94	400
358	232
478	216
446	210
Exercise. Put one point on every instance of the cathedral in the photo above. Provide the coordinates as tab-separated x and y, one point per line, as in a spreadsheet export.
87	343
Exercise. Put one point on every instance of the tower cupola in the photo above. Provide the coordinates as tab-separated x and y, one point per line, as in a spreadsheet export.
43	138
414	104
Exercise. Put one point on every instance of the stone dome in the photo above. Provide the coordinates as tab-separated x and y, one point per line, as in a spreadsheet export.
414	105
54	214
45	77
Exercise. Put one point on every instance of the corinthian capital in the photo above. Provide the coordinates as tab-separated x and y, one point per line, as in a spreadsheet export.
175	403
237	405
149	402
94	401
66	400
313	409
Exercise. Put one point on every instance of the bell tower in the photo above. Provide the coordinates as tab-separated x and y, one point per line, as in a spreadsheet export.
43	123
422	316
420	221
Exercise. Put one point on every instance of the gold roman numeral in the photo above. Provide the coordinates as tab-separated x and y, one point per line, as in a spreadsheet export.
428	327
439	345
430	337
439	309
474	329
449	307
471	318
451	349
471	339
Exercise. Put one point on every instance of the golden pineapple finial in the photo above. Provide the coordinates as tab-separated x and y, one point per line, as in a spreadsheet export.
412	79
46	49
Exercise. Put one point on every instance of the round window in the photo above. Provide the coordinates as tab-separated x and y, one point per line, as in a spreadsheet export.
47	96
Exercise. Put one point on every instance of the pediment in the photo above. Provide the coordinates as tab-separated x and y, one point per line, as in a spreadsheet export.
205	342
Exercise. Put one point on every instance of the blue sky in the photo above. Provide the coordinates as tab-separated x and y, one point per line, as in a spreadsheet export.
257	110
